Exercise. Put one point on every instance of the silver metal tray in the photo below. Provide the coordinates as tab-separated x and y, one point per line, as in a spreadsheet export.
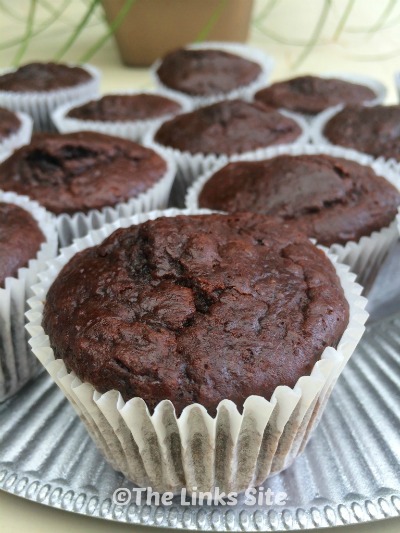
349	472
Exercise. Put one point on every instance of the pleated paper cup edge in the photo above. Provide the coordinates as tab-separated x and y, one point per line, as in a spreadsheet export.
46	224
39	104
388	169
397	83
266	62
326	370
317	137
70	226
375	85
368	81
91	69
190	166
21	283
133	130
398	223
19	138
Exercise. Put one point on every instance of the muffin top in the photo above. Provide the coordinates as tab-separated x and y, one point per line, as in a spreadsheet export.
228	127
126	107
20	239
43	77
331	199
311	94
206	72
9	123
77	172
196	309
373	130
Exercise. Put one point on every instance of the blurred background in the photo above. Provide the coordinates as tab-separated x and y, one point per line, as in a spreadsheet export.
307	36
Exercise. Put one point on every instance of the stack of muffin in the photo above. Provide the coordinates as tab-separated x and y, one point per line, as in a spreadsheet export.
199	347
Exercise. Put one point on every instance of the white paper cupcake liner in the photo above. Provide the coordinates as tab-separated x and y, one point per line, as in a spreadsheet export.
191	166
132	130
40	104
397	82
19	138
317	137
375	85
365	256
317	126
245	92
398	225
79	224
231	451
17	363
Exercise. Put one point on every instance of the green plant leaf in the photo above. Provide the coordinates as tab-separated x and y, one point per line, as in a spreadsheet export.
384	16
380	23
11	13
315	34
78	29
215	16
279	38
28	33
265	11
343	19
43	27
112	27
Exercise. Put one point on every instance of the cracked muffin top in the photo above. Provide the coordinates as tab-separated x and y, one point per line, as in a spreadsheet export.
20	239
77	172
206	72
331	199
311	94
228	127
43	77
196	309
9	123
125	107
373	130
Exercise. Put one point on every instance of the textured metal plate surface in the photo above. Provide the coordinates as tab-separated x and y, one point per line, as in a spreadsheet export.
349	472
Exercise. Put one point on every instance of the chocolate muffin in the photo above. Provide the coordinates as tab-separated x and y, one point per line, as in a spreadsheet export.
206	72
20	239
81	171
196	309
125	107
9	123
373	130
228	127
38	77
331	199
311	94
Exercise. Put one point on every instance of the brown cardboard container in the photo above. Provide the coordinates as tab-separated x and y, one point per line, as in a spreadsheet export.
153	27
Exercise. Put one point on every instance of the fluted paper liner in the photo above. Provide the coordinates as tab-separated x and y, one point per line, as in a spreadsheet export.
317	137
398	224
191	166
40	104
17	363
397	82
79	224
365	256
133	130
20	137
376	246
376	86
244	92
231	451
